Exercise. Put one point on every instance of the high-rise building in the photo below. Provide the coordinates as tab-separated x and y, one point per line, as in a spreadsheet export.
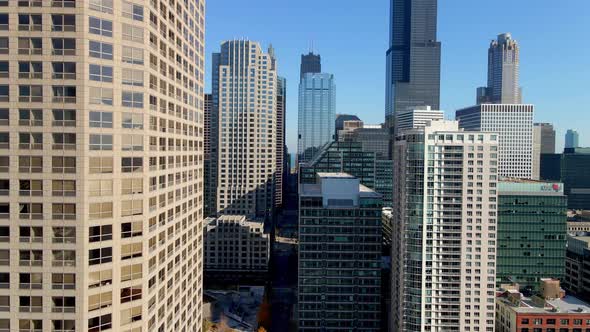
572	139
575	175
514	124
310	63
543	143
532	229
340	119
317	113
280	137
413	57
101	134
246	96
373	138
503	73
417	118
210	155
445	209
339	255
577	266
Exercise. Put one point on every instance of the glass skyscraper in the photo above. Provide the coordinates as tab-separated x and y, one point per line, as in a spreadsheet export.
572	139
413	57
317	113
310	63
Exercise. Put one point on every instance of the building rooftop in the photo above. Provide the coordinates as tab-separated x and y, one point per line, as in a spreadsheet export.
335	176
566	305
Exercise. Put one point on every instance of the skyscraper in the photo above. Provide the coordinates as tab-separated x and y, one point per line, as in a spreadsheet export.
543	143
317	113
246	96
210	155
417	118
340	240
514	125
503	73
280	137
310	63
572	139
101	133
445	214
413	57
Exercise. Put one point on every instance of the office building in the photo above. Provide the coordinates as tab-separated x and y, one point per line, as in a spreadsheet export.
373	138
413	57
340	119
351	158
317	114
572	139
543	143
514	124
235	245
280	137
549	310
310	63
417	118
575	175
209	148
444	269
247	111
550	167
339	255
93	113
532	229
577	266
503	73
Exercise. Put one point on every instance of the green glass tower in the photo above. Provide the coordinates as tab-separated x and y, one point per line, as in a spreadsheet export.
532	228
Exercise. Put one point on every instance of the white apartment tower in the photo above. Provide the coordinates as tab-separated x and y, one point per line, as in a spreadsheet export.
101	165
444	268
514	125
246	97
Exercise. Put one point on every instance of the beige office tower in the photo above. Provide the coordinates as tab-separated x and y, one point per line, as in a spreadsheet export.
246	96
101	152
445	217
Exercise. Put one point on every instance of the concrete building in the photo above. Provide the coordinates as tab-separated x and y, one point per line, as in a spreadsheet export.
445	216
503	73
413	58
532	230
577	266
247	150
235	245
317	114
339	255
572	139
280	137
101	155
514	124
417	118
210	155
549	311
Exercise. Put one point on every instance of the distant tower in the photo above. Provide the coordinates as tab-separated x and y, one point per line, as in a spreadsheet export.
572	139
503	73
310	63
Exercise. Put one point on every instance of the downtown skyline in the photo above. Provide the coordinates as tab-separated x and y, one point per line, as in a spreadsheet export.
464	53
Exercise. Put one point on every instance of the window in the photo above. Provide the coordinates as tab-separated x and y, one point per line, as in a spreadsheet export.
30	117
131	272
30	164
64	94
64	141
31	257
133	55
4	45
101	50
66	188
131	165
99	188
30	22
132	99
100	256
64	118
99	301
4	22
4	69
100	278
64	234
64	46
63	211
30	187
4	140
132	11
131	315
30	46
132	77
32	141
30	93
29	234
101	96
62	22
4	117
100	233
63	304
131	229
63	3
132	120
29	3
132	142
4	257
63	164
4	93
30	303
101	119
101	165
64	70
28	69
105	6
131	250
101	210
132	33
101	323
131	208
101	27
63	257
101	73
30	280
63	325
63	281
129	294
131	186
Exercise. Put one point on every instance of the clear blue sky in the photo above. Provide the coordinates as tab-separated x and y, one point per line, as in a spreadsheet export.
352	38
